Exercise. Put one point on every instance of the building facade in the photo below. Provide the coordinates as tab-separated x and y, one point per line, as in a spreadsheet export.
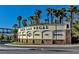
45	34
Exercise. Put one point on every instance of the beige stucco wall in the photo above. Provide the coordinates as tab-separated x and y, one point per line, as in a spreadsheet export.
29	37
39	33
49	33
51	28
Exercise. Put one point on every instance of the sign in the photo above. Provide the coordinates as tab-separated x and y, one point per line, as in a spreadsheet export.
41	27
37	27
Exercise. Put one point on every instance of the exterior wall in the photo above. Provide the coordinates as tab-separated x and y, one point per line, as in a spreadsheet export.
37	35
29	35
47	35
44	34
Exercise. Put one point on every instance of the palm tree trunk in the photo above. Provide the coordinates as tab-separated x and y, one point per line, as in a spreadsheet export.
48	17
51	19
37	21
19	24
60	20
71	23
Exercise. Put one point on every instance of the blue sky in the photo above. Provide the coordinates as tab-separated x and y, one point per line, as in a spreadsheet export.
9	13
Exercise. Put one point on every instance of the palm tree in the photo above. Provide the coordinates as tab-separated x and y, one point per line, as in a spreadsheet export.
31	19
50	12
37	16
24	22
72	10
19	20
57	14
62	14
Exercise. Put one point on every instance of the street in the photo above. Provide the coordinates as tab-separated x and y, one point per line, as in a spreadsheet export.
52	50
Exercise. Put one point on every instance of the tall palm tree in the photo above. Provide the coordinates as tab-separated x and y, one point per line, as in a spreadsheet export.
19	20
72	10
57	14
24	22
62	14
31	19
50	12
48	17
37	16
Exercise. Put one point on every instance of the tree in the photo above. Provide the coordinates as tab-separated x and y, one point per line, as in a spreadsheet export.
31	19
37	16
19	21
75	29
57	15
1	37
24	22
62	13
50	12
72	10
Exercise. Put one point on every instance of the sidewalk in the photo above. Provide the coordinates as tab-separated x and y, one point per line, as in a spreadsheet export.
39	46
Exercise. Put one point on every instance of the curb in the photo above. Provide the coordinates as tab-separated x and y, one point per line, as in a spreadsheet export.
44	46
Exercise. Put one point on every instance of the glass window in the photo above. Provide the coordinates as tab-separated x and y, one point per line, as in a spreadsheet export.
37	34
57	33
58	30
67	25
46	34
43	27
24	34
34	27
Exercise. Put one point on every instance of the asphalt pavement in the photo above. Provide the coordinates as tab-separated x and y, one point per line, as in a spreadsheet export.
4	49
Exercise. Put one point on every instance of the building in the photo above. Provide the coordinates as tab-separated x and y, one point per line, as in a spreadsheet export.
45	34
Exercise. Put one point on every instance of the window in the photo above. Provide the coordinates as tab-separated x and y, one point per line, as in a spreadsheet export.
46	34
34	27
57	33
58	30
43	27
24	34
37	34
67	25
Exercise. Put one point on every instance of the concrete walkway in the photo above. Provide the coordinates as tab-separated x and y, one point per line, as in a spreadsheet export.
38	46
